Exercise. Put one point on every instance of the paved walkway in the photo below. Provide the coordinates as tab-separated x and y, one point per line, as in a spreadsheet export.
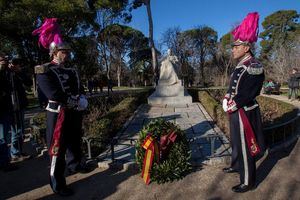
285	99
207	142
277	178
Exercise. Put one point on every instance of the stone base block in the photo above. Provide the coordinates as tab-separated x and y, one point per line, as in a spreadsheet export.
179	100
169	90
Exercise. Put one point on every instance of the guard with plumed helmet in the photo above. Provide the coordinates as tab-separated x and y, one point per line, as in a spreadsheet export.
243	110
66	101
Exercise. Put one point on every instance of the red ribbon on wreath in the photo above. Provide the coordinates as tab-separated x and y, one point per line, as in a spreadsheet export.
152	149
165	143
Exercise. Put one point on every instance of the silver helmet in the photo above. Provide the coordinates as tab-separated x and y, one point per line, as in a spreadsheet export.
57	47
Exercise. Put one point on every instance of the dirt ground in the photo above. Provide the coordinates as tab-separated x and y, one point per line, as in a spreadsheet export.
277	178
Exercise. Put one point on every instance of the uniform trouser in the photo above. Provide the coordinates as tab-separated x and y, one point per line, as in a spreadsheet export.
70	141
234	142
241	158
74	153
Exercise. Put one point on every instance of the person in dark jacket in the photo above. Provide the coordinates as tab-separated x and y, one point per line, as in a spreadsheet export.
19	80
13	103
246	82
5	114
294	84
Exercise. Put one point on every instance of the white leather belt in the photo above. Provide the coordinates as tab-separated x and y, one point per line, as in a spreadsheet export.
53	106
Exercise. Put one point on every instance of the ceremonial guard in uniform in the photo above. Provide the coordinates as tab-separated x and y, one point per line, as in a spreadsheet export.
66	101
243	110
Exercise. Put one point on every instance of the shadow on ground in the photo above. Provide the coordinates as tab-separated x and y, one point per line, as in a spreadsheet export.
99	186
30	174
270	161
33	174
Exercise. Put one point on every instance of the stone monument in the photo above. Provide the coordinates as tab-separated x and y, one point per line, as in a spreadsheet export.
169	89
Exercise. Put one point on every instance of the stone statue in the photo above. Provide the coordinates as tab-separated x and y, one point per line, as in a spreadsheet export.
168	74
169	89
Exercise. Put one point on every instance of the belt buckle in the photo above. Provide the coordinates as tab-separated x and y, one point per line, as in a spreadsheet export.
53	110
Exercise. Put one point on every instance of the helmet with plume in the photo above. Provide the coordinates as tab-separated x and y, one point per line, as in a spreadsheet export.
247	32
50	36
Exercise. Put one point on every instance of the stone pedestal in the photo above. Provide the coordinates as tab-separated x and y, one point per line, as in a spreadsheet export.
170	94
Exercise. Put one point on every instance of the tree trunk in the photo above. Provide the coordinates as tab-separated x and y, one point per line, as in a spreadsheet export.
201	70
151	41
225	75
105	61
119	70
119	79
119	75
202	74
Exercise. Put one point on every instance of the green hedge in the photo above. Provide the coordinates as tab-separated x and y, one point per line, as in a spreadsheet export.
274	112
39	120
105	116
39	128
105	127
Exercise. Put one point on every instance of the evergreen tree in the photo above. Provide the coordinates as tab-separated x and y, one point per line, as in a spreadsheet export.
280	29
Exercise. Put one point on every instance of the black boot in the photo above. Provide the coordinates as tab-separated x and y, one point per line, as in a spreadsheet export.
241	188
229	170
64	192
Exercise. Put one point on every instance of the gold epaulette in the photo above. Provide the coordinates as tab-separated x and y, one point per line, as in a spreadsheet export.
41	69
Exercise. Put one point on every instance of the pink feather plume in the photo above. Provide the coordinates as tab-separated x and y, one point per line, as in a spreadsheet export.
247	31
49	32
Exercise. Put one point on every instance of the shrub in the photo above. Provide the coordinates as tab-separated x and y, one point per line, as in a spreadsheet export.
105	116
274	112
38	124
103	126
39	120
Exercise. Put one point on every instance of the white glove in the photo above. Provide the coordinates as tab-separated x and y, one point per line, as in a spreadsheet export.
224	105
232	107
82	103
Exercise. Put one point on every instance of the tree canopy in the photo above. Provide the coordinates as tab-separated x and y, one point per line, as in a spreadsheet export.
280	28
103	43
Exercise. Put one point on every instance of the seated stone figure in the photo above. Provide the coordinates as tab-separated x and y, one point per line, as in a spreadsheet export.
168	74
169	89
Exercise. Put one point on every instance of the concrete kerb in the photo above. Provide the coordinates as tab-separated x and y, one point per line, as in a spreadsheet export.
128	121
117	165
103	161
225	159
